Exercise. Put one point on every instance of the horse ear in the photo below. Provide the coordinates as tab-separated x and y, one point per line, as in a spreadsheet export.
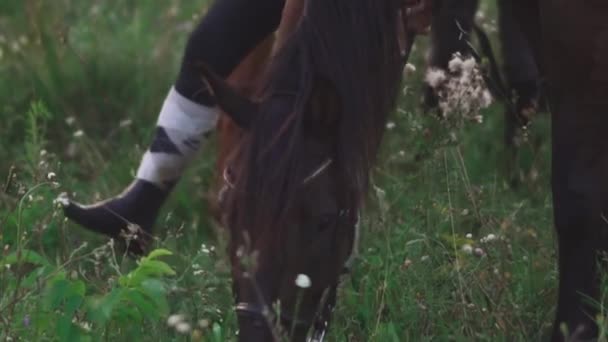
238	107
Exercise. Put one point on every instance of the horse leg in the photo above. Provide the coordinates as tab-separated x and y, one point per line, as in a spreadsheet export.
575	36
516	27
451	24
520	69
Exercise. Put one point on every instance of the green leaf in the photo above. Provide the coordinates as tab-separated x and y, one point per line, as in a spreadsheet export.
101	309
158	253
56	293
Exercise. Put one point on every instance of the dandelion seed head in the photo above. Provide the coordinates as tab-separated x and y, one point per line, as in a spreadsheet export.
303	281
434	77
455	64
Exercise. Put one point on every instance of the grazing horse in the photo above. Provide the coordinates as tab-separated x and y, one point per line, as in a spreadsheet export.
295	182
307	139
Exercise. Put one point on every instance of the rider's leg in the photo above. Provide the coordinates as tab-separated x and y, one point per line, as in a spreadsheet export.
227	33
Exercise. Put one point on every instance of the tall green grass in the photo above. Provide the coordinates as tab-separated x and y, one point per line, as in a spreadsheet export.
81	86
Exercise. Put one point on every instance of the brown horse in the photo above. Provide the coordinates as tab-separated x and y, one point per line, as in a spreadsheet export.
296	181
301	168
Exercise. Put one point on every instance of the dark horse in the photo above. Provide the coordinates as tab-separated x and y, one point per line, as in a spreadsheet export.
296	182
575	64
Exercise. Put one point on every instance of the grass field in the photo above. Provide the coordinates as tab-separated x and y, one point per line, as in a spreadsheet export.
81	84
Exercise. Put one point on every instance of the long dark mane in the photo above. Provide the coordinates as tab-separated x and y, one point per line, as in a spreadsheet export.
351	45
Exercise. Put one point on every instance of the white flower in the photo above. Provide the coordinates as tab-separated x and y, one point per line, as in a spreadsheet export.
468	65
70	120
62	200
175	319
455	64
303	281
490	237
203	323
435	77
79	133
51	175
409	69
469	236
425	258
390	125
467	249
182	327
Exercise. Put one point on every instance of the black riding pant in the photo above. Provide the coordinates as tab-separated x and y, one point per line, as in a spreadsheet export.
227	33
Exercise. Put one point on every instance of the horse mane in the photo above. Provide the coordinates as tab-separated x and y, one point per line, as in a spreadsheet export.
350	45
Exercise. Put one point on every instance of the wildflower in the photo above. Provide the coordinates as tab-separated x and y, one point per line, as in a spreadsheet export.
43	153
50	175
79	133
62	200
175	319
390	125
303	281
86	326
467	249
409	69
462	90
455	64
203	323
469	236
479	252
488	238
182	327
70	120
434	77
